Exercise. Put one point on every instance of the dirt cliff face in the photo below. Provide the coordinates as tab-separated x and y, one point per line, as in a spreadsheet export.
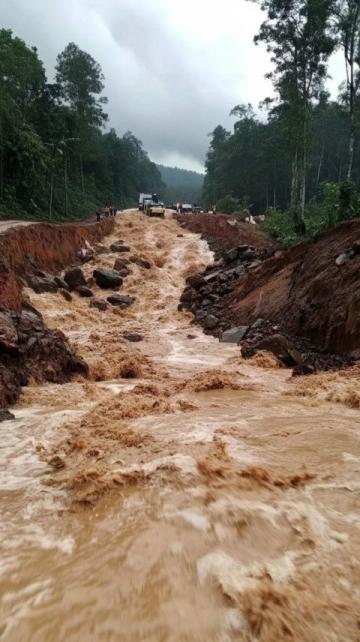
222	232
44	246
312	289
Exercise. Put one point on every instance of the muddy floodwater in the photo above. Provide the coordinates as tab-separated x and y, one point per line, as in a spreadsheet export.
181	494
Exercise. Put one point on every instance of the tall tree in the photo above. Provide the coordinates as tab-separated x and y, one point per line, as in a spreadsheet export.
348	24
297	34
81	82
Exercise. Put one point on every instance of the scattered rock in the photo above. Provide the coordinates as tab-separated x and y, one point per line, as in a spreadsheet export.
61	283
8	332
121	300
119	247
42	284
57	462
211	321
234	335
6	415
191	336
106	278
66	294
280	346
84	291
86	254
133	337
231	255
341	259
195	281
74	277
100	304
122	266
101	249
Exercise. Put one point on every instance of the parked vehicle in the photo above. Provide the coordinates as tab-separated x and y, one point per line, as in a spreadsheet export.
142	200
152	208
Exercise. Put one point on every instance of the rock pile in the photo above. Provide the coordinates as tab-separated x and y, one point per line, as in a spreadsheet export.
205	292
29	349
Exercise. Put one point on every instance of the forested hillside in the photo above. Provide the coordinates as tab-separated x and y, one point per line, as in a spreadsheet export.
55	159
302	155
182	185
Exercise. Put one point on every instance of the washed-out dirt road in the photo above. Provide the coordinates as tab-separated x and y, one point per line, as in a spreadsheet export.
182	494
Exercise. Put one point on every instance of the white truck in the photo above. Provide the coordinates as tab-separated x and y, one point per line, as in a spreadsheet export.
142	200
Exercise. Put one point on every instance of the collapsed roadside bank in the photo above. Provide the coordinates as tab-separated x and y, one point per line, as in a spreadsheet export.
302	303
28	348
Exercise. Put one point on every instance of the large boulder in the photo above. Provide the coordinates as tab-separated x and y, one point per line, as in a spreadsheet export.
106	278
119	247
74	277
42	284
5	415
234	335
280	346
121	300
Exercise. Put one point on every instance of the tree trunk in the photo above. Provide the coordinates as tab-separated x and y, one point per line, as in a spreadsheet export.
351	147
65	186
321	160
51	195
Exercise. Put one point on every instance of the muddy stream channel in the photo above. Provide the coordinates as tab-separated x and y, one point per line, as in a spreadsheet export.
181	494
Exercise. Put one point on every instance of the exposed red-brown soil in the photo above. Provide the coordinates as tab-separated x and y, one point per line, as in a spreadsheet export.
41	246
302	288
305	291
222	232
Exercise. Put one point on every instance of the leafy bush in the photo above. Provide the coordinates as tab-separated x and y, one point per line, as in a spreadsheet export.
279	226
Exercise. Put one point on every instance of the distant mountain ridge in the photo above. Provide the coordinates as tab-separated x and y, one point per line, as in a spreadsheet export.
182	185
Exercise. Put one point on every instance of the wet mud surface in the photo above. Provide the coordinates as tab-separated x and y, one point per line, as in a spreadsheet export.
180	494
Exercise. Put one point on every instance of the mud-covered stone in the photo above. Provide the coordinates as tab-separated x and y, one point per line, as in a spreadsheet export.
74	277
106	278
61	283
84	291
65	294
100	304
118	246
42	284
141	262
121	266
133	337
121	300
6	415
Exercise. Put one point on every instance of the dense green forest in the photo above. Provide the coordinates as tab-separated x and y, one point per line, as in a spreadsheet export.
182	185
300	163
55	159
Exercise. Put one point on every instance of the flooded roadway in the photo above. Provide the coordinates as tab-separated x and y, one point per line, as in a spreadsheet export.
182	494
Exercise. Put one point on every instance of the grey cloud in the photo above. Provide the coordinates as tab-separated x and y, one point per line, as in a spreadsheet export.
171	76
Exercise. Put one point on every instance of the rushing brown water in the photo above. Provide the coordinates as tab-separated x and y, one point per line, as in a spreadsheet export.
201	498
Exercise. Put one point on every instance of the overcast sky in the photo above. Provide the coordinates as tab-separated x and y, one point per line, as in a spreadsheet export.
173	68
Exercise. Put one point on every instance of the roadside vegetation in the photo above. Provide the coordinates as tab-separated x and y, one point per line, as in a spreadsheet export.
298	162
56	159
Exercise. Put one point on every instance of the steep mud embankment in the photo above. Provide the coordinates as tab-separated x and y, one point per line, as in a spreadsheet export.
28	349
25	249
310	290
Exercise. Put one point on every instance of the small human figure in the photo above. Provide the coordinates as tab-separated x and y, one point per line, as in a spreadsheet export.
98	216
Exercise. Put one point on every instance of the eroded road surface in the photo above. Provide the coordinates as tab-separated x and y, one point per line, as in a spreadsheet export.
182	494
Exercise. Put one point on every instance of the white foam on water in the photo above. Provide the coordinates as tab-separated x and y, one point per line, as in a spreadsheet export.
235	578
195	519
